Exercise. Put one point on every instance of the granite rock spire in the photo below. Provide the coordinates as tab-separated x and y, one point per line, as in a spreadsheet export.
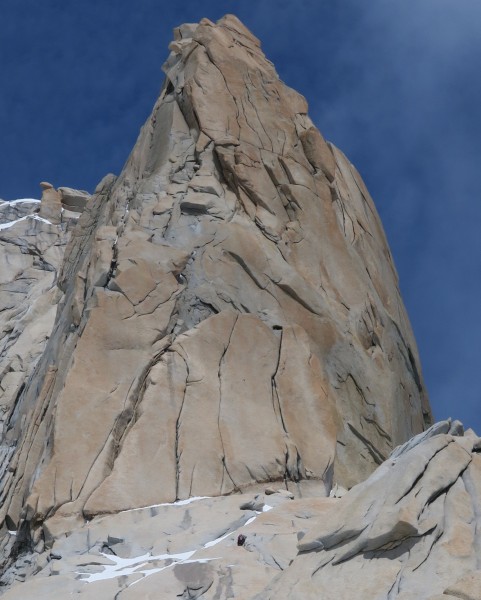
227	312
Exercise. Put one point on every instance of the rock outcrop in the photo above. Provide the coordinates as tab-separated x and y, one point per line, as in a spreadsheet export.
227	317
31	250
411	531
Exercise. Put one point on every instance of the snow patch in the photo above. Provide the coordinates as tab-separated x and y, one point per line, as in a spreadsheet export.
143	565
122	567
37	218
189	500
12	223
265	508
127	566
177	503
219	539
10	202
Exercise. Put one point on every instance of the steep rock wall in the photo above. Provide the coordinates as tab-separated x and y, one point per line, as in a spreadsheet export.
230	312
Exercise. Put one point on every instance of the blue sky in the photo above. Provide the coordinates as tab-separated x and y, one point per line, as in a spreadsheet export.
394	83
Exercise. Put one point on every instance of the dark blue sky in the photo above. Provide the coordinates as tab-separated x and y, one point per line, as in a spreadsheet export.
394	83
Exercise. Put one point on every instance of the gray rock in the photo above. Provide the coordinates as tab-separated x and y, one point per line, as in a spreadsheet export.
408	531
437	429
74	200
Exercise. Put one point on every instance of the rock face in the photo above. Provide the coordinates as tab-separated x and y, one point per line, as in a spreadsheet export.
227	315
31	250
411	531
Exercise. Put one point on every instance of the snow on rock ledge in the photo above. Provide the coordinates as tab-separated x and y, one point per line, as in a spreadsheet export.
411	531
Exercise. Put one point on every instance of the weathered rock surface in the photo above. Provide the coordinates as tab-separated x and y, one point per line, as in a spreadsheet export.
227	315
31	252
411	531
230	314
73	200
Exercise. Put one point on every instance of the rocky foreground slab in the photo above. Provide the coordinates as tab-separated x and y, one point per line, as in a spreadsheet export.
411	531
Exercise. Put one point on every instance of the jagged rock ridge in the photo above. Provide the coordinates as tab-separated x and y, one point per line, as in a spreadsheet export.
228	312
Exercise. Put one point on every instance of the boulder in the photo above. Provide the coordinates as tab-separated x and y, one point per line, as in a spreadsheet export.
73	200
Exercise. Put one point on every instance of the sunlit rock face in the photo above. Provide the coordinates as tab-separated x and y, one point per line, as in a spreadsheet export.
228	312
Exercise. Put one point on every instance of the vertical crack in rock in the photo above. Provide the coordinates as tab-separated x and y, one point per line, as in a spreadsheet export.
361	392
275	395
177	454
219	412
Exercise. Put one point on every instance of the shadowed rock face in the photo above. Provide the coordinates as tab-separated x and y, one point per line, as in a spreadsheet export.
31	253
230	312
